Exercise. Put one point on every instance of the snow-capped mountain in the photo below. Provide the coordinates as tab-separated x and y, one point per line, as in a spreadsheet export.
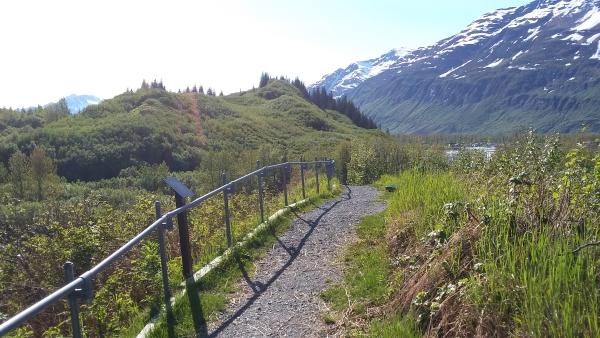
343	80
535	65
77	103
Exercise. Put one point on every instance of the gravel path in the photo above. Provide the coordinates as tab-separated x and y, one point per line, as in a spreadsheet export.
282	296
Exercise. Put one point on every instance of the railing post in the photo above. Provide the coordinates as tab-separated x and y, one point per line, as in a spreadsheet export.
73	302
329	174
163	260
285	192
226	210
260	192
184	238
181	192
302	166
317	165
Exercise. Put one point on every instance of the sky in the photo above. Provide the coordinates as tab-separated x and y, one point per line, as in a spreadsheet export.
51	49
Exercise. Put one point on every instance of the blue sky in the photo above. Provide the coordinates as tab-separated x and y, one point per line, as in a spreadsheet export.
377	25
103	47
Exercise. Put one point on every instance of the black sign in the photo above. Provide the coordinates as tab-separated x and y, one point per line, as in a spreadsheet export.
180	188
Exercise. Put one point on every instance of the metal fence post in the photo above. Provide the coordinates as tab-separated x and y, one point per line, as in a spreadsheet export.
317	165
163	260
285	192
184	238
302	166
226	210
73	302
329	173
260	192
181	192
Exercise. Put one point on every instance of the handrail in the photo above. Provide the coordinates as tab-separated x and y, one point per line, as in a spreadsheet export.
81	287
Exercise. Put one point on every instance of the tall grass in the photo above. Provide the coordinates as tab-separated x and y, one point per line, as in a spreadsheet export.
535	283
370	277
536	207
424	195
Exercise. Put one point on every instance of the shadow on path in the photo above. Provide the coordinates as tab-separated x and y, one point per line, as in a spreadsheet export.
258	287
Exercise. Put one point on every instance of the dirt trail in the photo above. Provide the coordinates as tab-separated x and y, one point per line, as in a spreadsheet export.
282	296
191	101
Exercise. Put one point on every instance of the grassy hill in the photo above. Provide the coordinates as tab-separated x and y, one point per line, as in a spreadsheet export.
151	126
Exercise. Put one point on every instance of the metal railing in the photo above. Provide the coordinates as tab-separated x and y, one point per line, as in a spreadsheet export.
81	288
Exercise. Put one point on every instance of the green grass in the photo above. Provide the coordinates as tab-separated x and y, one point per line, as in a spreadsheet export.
423	195
398	326
530	283
535	282
369	278
367	269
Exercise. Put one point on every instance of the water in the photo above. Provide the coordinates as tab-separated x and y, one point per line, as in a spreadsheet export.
488	150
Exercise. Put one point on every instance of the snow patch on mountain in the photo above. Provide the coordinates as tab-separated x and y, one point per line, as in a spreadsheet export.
454	69
596	56
592	39
353	75
576	37
533	34
494	64
590	20
516	56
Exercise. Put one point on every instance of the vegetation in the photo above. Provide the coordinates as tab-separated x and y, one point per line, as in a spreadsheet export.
76	187
325	100
214	289
468	247
504	247
185	131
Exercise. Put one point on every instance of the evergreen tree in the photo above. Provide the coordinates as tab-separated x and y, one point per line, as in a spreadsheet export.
264	80
42	168
194	89
201	90
145	84
301	87
18	171
57	110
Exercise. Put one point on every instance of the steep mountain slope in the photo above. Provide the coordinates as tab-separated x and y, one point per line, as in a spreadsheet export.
537	65
152	125
343	80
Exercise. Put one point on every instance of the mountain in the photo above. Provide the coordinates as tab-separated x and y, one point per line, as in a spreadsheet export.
77	103
536	65
343	80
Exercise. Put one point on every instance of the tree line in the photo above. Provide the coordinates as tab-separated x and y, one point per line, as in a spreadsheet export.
325	100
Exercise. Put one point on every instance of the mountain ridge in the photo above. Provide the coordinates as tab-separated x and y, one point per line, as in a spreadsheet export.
530	66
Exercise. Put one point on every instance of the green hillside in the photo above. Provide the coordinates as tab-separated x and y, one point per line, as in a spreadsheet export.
151	126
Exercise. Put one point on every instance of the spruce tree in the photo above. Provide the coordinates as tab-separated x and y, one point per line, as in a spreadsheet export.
264	80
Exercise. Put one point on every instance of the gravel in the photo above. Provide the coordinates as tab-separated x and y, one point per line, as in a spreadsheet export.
282	296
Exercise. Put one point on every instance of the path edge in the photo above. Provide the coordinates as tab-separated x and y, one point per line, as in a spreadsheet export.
216	262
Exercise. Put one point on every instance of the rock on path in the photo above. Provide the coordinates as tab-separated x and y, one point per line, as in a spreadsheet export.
282	298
